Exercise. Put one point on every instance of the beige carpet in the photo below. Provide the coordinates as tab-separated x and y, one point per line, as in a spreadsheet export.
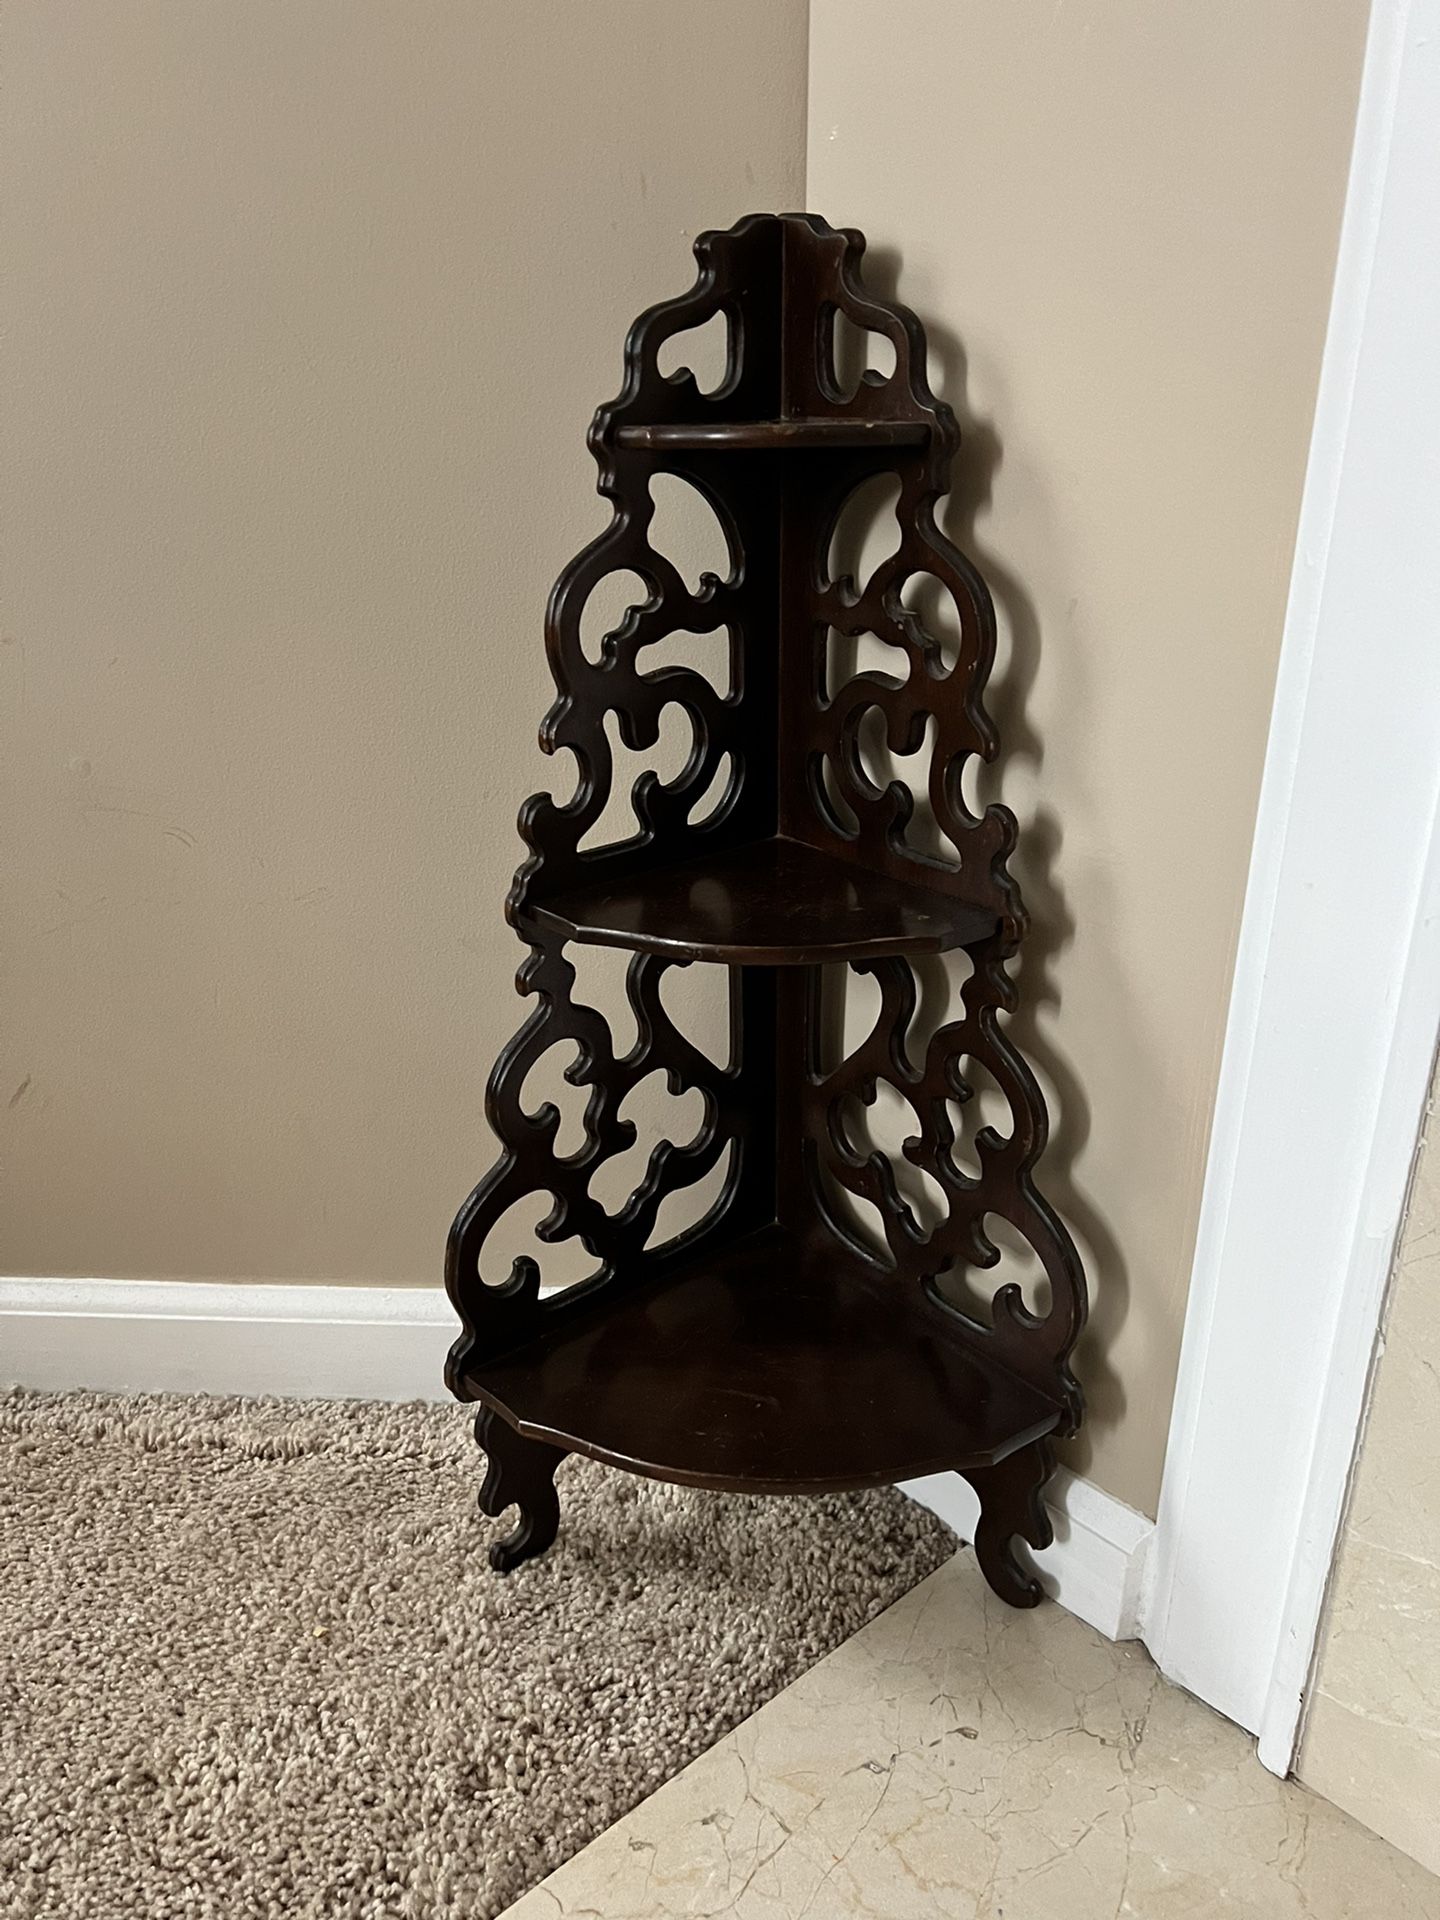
252	1661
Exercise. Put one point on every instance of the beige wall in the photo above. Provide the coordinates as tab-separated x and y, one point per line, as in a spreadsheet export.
309	307
1372	1732
1120	220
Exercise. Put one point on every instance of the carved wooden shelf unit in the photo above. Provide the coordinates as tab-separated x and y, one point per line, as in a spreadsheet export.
769	1348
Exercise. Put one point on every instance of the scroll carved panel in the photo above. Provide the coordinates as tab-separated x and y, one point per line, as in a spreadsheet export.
837	718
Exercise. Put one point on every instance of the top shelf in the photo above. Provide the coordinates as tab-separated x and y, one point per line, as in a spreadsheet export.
772	435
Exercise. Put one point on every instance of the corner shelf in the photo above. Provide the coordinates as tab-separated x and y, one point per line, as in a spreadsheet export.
766	1348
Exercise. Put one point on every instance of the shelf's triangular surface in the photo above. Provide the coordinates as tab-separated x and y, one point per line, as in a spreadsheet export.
782	1363
772	903
772	436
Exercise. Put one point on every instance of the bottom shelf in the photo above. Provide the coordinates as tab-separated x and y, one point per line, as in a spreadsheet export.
777	1364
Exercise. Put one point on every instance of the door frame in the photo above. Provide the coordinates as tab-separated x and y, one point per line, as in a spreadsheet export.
1336	999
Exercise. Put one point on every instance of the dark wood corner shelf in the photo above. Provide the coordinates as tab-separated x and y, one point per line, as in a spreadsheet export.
765	1349
776	902
771	436
777	1365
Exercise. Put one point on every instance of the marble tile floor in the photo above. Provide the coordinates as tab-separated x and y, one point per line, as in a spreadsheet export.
959	1759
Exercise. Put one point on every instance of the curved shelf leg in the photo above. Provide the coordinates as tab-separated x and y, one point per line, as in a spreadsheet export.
521	1473
1011	1504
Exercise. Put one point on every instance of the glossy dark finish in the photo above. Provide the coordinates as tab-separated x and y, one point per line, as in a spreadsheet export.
780	1365
521	1474
764	1348
1012	1503
778	436
774	903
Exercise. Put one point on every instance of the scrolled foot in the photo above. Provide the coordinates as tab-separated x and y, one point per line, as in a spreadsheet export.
520	1473
1012	1504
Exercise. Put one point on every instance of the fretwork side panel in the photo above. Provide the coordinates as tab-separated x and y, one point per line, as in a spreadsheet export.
793	737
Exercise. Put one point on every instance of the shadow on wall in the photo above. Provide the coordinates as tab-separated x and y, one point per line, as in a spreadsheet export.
1052	929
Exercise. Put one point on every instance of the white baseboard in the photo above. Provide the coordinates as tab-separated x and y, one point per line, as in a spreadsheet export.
200	1336
389	1343
1096	1567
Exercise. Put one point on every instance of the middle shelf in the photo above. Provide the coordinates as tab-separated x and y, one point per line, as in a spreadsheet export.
769	903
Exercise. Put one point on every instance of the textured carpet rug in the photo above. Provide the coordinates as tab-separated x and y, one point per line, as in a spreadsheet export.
252	1661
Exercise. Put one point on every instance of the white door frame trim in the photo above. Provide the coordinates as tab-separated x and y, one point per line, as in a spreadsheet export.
1336	997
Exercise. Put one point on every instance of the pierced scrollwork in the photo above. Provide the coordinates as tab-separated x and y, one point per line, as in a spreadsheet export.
587	692
925	685
938	693
791	750
1035	1345
506	1314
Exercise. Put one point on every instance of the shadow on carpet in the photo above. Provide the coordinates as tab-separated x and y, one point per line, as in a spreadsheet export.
253	1662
